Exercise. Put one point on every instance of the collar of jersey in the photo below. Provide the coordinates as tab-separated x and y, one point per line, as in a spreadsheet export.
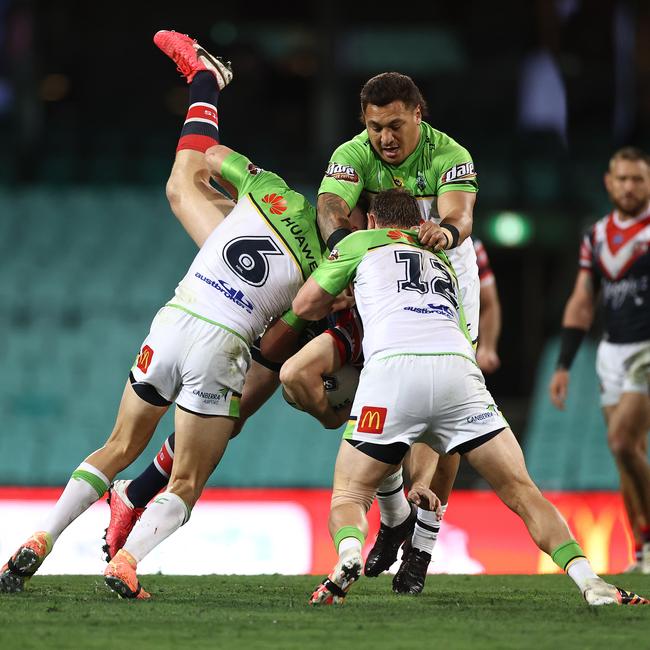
628	223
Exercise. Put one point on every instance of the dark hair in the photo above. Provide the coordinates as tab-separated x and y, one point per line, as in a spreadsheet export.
389	87
630	153
396	207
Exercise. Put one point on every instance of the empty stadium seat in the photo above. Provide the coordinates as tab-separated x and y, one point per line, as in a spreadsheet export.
567	450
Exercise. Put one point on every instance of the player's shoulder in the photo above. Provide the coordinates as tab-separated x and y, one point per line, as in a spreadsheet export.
439	139
356	240
350	160
357	243
450	162
379	237
249	177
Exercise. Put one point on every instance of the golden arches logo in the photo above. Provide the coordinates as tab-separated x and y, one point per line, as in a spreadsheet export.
144	358
372	419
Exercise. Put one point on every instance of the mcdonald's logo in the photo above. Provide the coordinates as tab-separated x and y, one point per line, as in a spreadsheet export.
144	358
372	419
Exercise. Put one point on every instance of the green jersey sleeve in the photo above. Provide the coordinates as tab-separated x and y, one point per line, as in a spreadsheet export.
248	177
338	270
345	172
455	169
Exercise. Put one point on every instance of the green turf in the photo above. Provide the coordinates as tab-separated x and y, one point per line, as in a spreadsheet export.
477	612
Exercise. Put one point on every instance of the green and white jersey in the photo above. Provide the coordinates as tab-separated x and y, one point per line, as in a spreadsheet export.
407	296
253	264
438	165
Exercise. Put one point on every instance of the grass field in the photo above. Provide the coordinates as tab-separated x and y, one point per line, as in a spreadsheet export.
233	612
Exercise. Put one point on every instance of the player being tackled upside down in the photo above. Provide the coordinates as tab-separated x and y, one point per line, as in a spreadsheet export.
420	382
397	148
197	352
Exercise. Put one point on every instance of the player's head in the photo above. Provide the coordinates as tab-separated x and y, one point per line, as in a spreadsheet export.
628	180
395	208
392	108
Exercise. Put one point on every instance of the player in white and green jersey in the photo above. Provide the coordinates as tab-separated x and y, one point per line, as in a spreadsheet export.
420	382
252	265
399	149
197	352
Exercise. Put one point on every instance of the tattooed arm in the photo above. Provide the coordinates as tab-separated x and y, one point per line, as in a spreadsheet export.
333	213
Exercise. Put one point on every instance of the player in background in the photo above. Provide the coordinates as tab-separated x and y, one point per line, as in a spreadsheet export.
198	349
615	270
399	149
420	382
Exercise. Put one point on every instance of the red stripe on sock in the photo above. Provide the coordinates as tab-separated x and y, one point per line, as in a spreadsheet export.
203	112
196	142
165	460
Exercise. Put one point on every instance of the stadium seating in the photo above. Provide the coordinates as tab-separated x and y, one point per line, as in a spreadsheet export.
567	450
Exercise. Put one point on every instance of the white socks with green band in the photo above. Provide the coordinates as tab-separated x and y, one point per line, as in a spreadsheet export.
164	515
86	485
571	558
348	539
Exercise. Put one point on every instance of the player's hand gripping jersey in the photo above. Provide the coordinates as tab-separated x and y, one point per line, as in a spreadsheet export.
252	265
407	296
617	254
438	165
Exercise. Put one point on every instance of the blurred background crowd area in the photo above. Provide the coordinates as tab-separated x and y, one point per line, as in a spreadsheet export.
540	92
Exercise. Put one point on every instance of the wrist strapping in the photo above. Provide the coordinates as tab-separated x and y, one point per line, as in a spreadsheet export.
336	237
570	340
294	322
455	235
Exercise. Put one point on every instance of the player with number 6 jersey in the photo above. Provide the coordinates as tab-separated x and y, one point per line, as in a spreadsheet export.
251	267
197	352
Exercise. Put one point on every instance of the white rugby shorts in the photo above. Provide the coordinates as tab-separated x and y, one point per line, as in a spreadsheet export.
437	399
196	363
620	370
